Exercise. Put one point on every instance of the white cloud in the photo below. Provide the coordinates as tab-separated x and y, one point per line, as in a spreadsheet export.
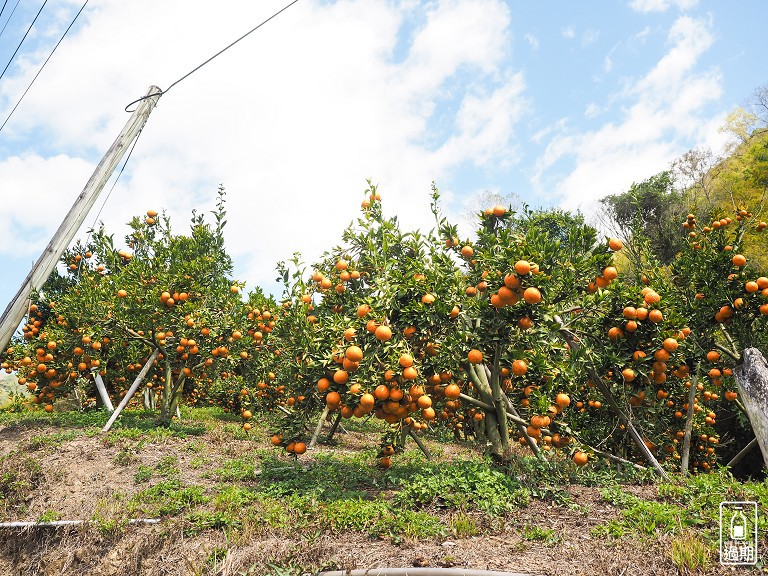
589	37
292	120
662	111
569	32
592	110
532	40
646	6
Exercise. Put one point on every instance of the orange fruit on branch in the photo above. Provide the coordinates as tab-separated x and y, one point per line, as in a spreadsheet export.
475	356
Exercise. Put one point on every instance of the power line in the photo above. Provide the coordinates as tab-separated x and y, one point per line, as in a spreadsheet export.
44	63
3	8
22	40
9	17
219	53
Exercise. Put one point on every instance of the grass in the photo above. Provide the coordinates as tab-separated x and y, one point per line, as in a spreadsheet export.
688	553
245	490
533	533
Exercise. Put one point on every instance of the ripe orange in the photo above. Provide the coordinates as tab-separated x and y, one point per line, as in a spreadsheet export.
614	333
511	281
410	373
610	273
628	374
670	344
452	391
581	458
354	354
424	402
532	295
615	244
499	210
563	400
383	333
362	310
122	293
333	399
519	367
385	462
525	323
739	260
367	400
630	313
522	267
340	377
406	360
299	448
475	356
467	251
651	297
655	316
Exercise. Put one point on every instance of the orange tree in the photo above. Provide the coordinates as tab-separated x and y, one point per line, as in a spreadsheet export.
165	304
672	340
522	273
725	300
365	333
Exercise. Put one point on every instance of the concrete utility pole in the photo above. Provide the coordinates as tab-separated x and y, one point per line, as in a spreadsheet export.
15	311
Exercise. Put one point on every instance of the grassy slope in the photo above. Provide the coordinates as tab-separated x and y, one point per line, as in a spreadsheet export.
8	384
233	505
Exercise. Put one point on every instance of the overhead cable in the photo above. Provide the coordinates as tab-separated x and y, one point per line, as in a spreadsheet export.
188	74
22	40
72	23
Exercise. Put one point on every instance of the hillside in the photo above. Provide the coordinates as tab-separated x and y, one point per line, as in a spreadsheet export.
8	385
231	504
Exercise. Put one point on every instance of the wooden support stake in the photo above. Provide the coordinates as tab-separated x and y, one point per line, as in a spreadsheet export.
420	444
131	390
334	426
743	452
634	434
102	390
319	427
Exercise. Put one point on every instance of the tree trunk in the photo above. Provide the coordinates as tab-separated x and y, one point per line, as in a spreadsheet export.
171	395
689	421
752	379
492	432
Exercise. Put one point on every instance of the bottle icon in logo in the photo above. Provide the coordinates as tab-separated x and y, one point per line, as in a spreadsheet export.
738	525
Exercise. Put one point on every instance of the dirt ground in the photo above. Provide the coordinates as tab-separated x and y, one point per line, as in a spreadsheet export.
77	474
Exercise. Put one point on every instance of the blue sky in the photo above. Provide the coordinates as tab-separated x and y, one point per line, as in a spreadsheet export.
559	103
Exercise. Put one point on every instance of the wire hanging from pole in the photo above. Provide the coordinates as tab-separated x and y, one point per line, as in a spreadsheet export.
9	17
44	63
22	40
219	53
